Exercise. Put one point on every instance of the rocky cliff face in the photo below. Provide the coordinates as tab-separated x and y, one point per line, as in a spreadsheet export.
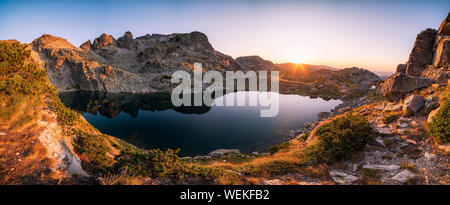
427	63
137	65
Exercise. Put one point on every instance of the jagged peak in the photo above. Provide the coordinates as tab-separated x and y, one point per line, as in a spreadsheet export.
104	40
128	35
86	45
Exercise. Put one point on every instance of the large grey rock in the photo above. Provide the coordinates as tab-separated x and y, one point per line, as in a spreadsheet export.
422	53
414	103
342	178
399	83
431	103
403	176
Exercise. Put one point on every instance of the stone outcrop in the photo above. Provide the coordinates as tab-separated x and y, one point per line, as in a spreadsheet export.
422	53
86	45
428	60
104	40
127	41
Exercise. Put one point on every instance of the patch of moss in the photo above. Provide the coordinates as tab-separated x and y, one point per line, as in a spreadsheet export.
279	148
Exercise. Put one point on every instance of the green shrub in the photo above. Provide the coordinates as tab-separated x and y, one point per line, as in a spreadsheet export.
439	127
280	147
66	116
17	75
154	163
340	137
94	151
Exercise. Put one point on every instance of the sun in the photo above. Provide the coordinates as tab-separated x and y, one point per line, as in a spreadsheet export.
296	60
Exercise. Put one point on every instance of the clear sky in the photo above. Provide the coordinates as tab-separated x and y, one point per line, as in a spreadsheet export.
376	34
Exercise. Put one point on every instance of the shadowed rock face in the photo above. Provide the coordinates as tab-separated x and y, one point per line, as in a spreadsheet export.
137	65
399	83
127	41
422	53
112	104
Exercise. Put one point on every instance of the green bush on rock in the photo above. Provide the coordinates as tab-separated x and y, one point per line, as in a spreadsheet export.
439	127
339	138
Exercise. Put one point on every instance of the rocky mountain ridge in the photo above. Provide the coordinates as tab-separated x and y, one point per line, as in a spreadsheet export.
137	65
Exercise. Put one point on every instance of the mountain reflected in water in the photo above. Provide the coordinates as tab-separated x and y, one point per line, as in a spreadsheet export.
112	104
151	121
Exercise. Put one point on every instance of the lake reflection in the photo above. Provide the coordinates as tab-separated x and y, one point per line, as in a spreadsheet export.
151	121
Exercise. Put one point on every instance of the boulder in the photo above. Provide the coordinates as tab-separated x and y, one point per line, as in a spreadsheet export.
414	103
399	83
342	178
431	103
422	52
403	176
